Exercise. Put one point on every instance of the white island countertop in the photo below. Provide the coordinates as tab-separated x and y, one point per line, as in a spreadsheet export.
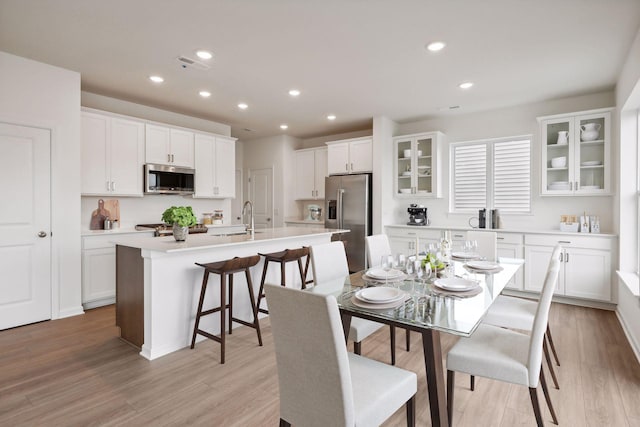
196	242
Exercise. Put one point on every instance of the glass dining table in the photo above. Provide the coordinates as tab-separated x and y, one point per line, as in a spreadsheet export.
430	312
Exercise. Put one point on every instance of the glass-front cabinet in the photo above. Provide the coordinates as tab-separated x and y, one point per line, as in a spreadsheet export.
417	164
576	153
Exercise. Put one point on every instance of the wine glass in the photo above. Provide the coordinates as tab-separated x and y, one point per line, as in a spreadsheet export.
401	261
386	263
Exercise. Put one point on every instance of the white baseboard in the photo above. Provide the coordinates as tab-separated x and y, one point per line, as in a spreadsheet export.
99	303
635	345
69	312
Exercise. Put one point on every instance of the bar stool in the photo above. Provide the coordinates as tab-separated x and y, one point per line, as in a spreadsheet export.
283	257
224	269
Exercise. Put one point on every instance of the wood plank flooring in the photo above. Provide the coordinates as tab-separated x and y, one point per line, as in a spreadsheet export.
76	372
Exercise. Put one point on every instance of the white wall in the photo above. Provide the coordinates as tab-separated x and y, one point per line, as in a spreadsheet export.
517	120
320	141
41	95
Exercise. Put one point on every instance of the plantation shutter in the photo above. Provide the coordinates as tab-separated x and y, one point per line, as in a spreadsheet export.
469	177
512	176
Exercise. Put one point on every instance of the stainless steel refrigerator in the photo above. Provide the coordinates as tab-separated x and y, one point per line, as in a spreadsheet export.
348	206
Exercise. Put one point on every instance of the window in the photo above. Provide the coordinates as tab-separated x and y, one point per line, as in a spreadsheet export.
492	174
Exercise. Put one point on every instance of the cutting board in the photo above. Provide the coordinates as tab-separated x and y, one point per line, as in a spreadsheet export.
113	206
98	216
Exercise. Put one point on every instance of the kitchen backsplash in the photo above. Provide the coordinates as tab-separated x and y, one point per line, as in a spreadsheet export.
148	209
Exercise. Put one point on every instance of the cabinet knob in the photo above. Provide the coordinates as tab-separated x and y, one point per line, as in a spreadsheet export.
346	167
42	234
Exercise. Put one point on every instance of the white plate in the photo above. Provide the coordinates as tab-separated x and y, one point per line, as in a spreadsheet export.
483	265
559	183
455	284
380	295
380	274
590	187
363	304
465	255
406	173
591	163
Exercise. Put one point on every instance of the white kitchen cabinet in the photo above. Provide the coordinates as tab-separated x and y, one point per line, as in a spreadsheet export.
112	155
99	269
510	245
585	265
311	170
583	157
417	165
409	241
350	156
169	146
215	166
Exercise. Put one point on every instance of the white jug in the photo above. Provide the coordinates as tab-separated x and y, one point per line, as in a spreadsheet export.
589	131
563	137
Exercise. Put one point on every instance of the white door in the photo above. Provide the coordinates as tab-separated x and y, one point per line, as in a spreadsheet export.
536	261
360	156
305	176
182	148
95	167
225	167
261	195
588	273
25	247
157	145
236	204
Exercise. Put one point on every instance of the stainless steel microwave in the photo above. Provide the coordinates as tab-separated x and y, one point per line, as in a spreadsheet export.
164	179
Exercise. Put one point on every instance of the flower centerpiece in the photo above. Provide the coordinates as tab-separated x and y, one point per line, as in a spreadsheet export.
181	217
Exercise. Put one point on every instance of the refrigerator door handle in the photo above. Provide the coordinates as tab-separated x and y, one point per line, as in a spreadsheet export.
339	215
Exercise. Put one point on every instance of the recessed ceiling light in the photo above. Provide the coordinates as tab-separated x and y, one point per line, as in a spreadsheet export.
294	92
203	54
436	46
331	117
243	106
204	93
156	79
465	85
283	126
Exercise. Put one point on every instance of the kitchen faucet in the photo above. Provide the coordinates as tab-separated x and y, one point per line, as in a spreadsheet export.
251	226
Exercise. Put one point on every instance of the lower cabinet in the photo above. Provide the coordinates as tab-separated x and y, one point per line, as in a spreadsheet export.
99	270
585	265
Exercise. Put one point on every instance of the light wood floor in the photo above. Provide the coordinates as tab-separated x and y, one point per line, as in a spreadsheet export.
76	372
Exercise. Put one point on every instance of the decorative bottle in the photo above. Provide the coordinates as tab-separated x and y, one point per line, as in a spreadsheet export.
445	246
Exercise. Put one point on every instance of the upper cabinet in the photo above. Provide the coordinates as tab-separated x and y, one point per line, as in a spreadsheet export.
112	155
417	165
311	170
576	153
169	146
215	166
349	156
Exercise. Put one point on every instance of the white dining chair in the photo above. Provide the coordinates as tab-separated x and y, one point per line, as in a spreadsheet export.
320	383
377	245
330	268
506	355
519	313
487	243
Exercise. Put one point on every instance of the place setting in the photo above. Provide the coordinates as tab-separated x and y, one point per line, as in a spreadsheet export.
469	251
456	286
483	267
379	297
389	271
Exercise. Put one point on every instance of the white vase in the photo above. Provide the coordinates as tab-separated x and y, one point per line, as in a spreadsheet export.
563	137
589	131
180	233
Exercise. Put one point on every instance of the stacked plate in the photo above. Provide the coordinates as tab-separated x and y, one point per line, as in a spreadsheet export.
463	256
456	284
559	185
379	297
483	266
381	275
591	163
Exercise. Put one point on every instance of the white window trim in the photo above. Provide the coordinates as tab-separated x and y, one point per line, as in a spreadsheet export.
490	170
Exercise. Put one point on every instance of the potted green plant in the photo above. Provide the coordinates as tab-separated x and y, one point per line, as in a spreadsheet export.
181	217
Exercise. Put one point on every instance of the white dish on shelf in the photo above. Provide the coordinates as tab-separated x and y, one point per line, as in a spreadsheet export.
406	153
424	167
559	162
590	187
591	163
406	173
405	190
559	183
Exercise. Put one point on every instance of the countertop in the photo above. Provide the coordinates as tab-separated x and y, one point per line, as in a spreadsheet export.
206	241
499	230
304	221
132	230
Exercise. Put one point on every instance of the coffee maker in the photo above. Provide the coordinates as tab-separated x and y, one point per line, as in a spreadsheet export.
417	215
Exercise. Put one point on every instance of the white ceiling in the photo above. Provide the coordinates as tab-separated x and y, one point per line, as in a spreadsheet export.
357	59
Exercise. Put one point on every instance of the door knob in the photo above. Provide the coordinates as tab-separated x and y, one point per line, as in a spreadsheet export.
42	234
268	219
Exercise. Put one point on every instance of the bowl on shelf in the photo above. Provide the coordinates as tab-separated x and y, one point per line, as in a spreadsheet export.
419	153
405	190
407	153
559	162
406	173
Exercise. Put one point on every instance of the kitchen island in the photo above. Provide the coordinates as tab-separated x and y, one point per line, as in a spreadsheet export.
158	283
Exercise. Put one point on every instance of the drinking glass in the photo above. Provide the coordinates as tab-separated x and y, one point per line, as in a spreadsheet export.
386	263
401	261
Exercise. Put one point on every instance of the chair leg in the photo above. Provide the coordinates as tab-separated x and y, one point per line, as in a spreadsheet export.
553	347
545	348
306	270
545	390
283	273
472	382
302	275
254	308
230	303
392	333
411	411
284	423
357	348
223	301
536	406
451	376
408	340
261	291
205	279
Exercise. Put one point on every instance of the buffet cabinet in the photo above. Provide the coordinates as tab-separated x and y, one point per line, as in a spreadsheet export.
586	260
576	154
417	165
